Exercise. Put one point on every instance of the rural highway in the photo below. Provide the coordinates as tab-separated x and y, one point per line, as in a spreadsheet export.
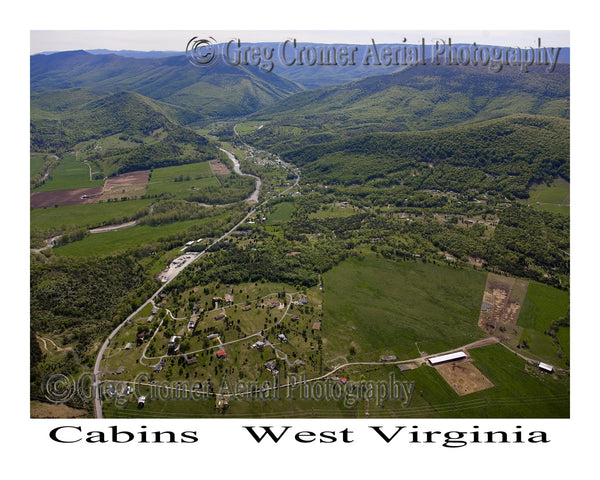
96	371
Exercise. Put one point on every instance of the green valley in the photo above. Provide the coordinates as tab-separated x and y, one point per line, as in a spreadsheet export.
216	242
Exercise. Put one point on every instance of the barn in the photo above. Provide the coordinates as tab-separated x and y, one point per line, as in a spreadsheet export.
449	357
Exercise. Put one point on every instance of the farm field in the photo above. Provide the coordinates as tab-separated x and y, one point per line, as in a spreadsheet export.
179	180
544	307
375	307
538	395
519	390
85	216
69	174
282	212
121	240
36	162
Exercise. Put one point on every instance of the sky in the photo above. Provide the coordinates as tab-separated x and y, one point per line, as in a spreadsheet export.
176	40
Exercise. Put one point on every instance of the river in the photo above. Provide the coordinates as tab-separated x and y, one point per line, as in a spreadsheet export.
236	169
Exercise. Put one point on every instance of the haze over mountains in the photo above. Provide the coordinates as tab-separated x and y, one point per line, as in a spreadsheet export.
78	95
219	91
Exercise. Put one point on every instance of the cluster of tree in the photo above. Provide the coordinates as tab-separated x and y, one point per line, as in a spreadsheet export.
500	156
172	210
232	188
84	298
531	243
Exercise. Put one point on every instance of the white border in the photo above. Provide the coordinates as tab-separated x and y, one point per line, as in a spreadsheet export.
223	449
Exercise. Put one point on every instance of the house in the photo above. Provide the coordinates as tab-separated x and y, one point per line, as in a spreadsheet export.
282	337
295	317
140	337
228	299
246	308
192	322
271	366
388	358
303	301
120	370
298	362
221	354
213	336
190	361
317	325
141	401
220	316
159	366
258	344
128	346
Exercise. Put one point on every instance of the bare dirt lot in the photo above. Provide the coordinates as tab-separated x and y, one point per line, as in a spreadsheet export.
65	197
131	178
501	305
46	410
463	377
131	184
219	168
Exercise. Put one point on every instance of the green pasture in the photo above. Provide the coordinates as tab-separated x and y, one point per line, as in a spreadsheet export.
282	212
68	174
374	307
36	162
122	240
85	216
181	179
544	305
551	198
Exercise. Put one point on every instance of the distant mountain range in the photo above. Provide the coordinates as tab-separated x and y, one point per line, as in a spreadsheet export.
416	98
77	96
219	91
302	71
144	133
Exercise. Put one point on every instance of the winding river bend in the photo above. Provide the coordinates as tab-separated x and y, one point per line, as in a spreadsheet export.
236	169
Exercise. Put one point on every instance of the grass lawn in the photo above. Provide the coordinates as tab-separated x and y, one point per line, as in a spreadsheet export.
381	307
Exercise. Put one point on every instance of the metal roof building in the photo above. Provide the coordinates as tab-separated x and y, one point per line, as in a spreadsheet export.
447	358
546	367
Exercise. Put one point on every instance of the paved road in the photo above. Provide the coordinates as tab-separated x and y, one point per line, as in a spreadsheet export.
96	372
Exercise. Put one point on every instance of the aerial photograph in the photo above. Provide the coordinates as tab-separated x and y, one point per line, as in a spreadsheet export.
291	225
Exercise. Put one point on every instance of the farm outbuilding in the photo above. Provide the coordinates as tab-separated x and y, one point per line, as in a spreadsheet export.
545	367
447	358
